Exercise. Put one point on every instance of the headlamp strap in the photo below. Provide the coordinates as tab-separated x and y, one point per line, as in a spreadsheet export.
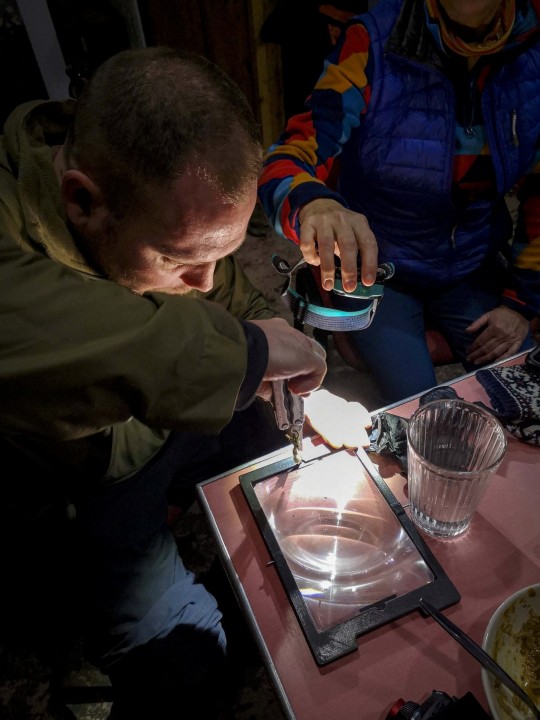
327	318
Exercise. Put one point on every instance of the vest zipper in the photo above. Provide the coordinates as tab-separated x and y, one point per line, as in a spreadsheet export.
469	109
453	237
513	117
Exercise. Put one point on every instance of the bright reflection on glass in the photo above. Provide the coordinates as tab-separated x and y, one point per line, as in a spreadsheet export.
343	544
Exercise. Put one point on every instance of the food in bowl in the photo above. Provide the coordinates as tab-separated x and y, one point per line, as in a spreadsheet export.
512	638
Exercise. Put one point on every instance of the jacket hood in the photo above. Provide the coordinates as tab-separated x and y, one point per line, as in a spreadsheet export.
30	132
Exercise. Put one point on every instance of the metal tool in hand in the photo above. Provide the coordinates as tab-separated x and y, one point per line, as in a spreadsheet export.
289	412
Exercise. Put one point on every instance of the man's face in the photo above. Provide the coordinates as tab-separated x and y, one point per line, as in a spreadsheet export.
174	245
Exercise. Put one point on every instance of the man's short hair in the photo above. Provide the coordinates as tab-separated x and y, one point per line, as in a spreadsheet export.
149	114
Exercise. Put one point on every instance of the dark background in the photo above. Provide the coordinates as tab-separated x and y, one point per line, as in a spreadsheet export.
274	49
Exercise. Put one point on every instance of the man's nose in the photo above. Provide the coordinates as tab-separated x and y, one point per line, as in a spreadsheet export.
199	277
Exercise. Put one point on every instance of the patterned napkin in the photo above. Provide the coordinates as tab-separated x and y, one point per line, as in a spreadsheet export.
514	393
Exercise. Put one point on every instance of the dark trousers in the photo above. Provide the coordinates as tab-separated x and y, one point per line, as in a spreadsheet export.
394	346
115	570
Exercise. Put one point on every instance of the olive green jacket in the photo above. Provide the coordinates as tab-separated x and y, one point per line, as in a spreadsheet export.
92	376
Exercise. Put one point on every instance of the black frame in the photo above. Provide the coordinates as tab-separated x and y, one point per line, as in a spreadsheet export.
330	644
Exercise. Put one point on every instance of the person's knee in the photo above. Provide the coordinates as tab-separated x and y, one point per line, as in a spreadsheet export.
400	365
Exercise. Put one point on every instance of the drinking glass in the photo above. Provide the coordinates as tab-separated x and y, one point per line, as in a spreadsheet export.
453	449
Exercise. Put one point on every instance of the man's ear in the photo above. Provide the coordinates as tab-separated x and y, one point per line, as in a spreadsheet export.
83	200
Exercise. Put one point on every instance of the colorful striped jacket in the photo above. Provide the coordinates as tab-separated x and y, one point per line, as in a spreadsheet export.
428	151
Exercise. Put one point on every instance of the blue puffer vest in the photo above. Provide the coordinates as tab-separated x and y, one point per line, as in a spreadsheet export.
397	167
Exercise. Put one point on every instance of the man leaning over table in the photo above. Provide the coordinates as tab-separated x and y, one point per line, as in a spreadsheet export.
130	339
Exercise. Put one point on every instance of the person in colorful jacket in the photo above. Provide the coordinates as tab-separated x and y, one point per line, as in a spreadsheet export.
420	146
130	338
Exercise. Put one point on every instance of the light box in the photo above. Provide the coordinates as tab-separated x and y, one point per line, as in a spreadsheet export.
347	553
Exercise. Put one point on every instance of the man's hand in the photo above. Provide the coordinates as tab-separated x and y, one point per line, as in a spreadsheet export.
292	356
328	229
501	334
338	422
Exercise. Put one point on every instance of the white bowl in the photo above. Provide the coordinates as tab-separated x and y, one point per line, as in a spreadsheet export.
512	638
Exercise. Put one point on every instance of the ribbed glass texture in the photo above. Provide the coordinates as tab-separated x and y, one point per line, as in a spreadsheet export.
453	449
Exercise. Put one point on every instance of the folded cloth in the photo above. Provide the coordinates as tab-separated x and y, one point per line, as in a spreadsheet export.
514	393
389	432
389	437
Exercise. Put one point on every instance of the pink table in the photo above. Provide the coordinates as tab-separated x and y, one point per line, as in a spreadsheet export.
411	656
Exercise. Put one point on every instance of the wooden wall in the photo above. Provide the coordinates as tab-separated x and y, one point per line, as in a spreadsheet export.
228	33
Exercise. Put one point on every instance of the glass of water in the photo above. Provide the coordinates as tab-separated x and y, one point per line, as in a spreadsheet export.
453	449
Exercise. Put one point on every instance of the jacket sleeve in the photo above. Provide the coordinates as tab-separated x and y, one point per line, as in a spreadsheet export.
78	354
523	291
233	290
298	165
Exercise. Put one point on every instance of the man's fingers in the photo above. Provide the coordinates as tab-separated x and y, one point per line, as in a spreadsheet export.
370	258
308	248
319	349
